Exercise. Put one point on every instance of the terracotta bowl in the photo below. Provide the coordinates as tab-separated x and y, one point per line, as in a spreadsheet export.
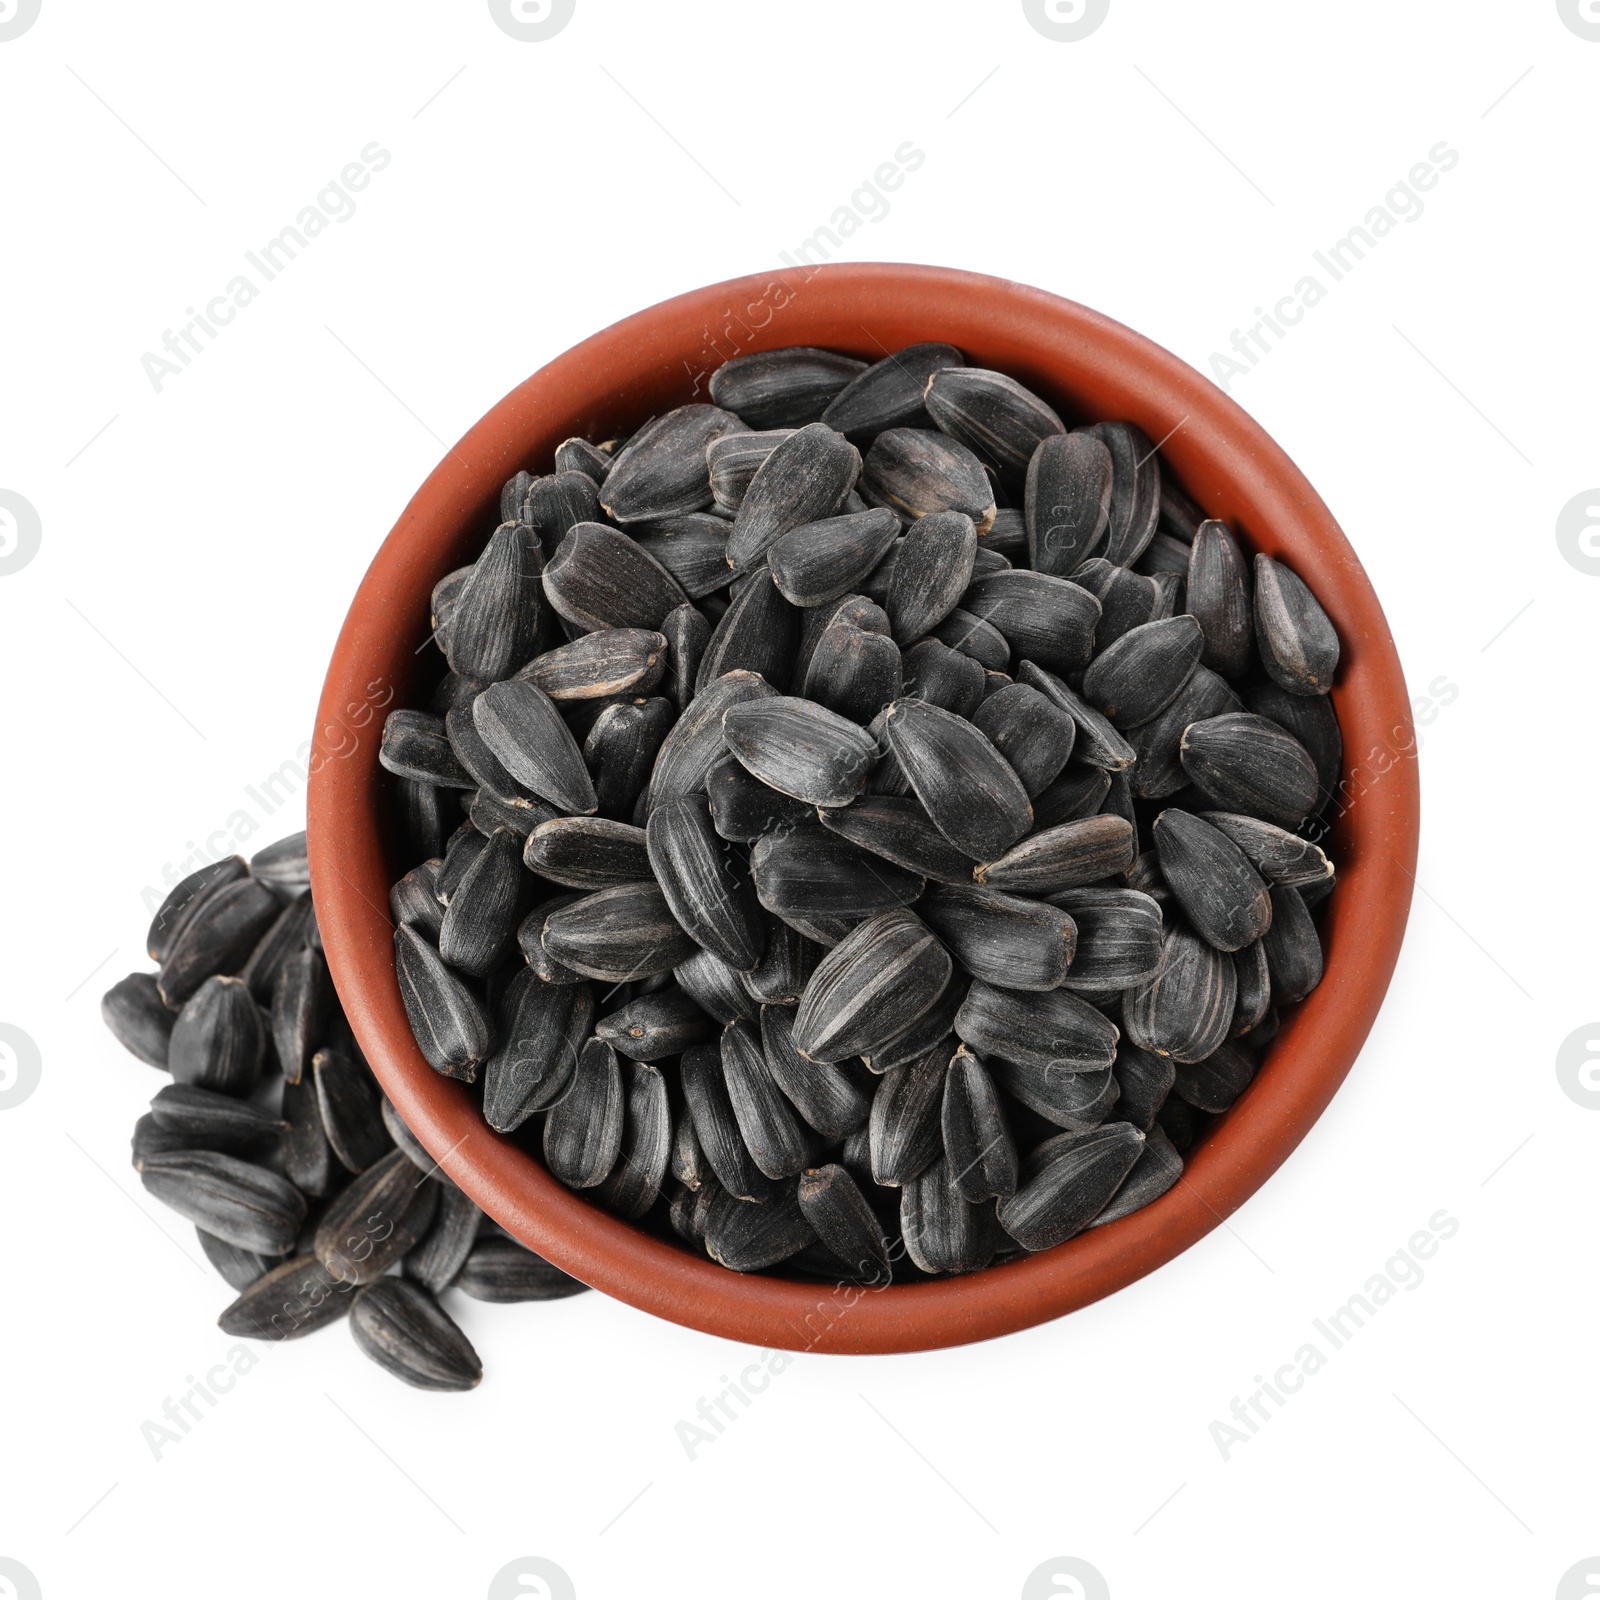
1090	368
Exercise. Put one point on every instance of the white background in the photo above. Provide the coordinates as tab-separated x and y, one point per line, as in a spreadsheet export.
200	545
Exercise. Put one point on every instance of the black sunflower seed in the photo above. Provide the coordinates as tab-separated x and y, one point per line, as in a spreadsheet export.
1119	937
1098	743
1054	1032
521	725
1254	998
1067	503
481	920
889	394
661	471
1186	1009
237	1201
1135	490
705	888
416	746
965	785
942	1229
749	1237
943	677
834	1098
1244	763
583	1132
832	1203
609	661
291	1300
1078	793
805	479
991	413
216	937
437	1259
1294	952
151	1139
743	807
654	1026
822	561
732	462
1030	730
974	637
373	1222
1309	718
504	1272
1298	645
634	1183
578	455
903	1126
1219	598
185	898
800	749
900	831
1279	856
931	572
465	846
207	1120
308	1158
1063	857
1157	744
237	1268
811	875
348	1101
1076	1101
915	471
542	1029
621	749
618	934
1076	1174
693	548
132	1009
494	623
1215	1083
1140	675
587	852
1019	944
781	975
555	505
851	610
405	1138
705	1092
600	578
217	1040
402	1327
285	938
1144	1081
783	388
1046	620
933	1029
447	1019
977	1141
1158	1168
422	816
777	1138
871	987
757	633
1223	896
853	672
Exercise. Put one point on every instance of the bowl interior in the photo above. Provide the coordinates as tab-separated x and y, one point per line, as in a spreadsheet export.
1088	367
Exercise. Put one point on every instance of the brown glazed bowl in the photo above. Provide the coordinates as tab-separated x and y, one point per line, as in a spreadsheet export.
1090	368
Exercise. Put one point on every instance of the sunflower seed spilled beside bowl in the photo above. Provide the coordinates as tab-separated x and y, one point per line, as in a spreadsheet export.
310	1196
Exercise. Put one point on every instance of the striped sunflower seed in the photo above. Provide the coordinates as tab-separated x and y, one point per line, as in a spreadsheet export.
991	413
618	934
207	1120
732	461
781	975
853	673
687	632
705	1092
1186	1009
185	898
1063	857
437	1259
1158	1168
693	548
661	471
587	852
522	726
217	1040
132	1009
831	1097
931	572
530	940
1098	743
285	938
779	1142
822	561
634	1183
1004	940
889	393
542	1029
805	479
1031	731
1279	856
1219	598
494	623
347	1099
977	1141
812	875
216	937
1298	645
1143	1083
1254	996
555	505
583	1132
915	471
621	748
1046	620
750	1237
578	455
372	1223
900	831
1054	1032
757	633
416	746
832	1203
1070	1179
871	987
1119	937
504	1272
293	1299
695	743
600	578
1223	896
1141	674
235	1200
712	901
1294	952
447	1019
783	388
903	1127
743	807
974	637
1135	490
480	922
1067	502
1215	1083
1244	763
943	1230
401	1326
283	866
151	1139
1079	792
933	1029
610	661
308	1159
1157	744
1127	599
1309	718
654	1026
800	749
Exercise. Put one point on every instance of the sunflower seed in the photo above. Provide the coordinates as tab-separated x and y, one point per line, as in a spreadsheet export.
1119	937
347	1099
237	1268
933	1030
542	1029
405	1138
943	677
1185	1010
991	413
1078	793
522	727
293	1299
1219	598
600	578
779	1143
1053	1033
810	875
831	1097
1309	718
151	1139
1222	895
621	748
185	898
1135	490
1064	857
618	934
1254	997
1294	952
1049	621
974	637
218	1041
481	919
1298	645
900	831
1279	856
705	1092
711	900
1157	744
915	471
837	1211
1070	1178
783	388
238	1202
1177	1121
635	1181
217	937
1031	731
1098	743
583	1132
494	623
416	746
965	785
693	548
1140	675
555	505
853	610
931	571
437	1260
1244	763
654	1026
749	1237
609	661
661	471
504	1272
401	1326
780	977
578	455
978	1145
903	1127
889	394
587	852
1158	1168
376	1219
743	807
1144	1081
422	816
822	561
465	846
805	479
687	633
308	1159
853	673
1215	1083
1164	557
800	749
447	1019
1019	944
283	866
530	940
283	939
757	633
733	461
1127	600
871	987
133	1011
943	1231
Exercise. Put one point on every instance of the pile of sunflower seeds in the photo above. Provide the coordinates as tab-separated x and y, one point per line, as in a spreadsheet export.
889	818
310	1196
